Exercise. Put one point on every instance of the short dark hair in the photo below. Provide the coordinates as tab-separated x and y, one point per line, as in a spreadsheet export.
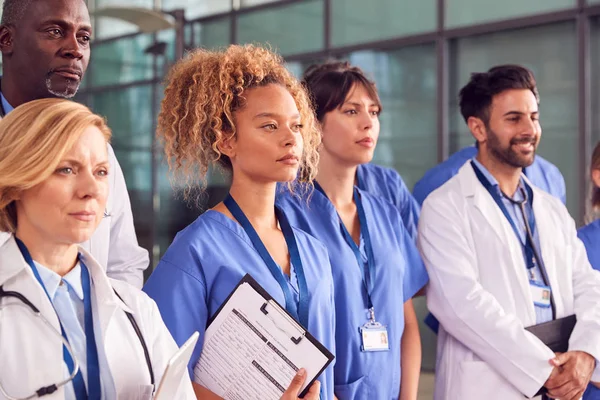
475	98
13	11
329	84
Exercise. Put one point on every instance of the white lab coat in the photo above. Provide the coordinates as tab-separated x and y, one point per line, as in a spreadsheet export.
31	356
479	291
114	243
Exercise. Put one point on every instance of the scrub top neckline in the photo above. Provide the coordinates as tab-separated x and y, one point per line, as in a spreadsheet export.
234	226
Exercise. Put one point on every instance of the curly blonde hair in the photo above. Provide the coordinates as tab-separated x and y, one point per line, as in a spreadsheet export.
204	90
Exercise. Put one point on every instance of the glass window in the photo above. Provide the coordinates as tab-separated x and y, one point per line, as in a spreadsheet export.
196	9
468	12
290	29
121	61
551	53
137	169
298	67
212	34
128	112
106	28
358	21
406	79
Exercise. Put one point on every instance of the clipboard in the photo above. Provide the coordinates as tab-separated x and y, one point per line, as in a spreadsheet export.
289	335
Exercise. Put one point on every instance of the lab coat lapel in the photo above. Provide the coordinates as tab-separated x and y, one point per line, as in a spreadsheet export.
545	229
496	221
105	302
12	264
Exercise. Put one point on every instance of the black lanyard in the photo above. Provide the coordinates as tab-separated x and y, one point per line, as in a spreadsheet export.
532	254
367	269
299	311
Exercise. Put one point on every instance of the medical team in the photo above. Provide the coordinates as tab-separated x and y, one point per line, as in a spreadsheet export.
335	239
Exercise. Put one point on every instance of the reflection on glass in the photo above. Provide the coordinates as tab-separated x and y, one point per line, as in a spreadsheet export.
129	114
469	12
406	80
121	61
551	53
289	29
212	34
359	21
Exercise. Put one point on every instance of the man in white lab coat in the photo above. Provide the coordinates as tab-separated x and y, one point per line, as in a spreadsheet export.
503	255
45	52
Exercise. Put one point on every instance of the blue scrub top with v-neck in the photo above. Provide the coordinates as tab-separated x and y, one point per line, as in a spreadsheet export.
205	263
399	274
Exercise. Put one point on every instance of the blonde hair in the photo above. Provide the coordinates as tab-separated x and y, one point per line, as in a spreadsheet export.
34	138
202	93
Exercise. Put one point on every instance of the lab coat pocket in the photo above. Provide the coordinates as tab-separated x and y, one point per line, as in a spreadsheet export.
353	390
477	380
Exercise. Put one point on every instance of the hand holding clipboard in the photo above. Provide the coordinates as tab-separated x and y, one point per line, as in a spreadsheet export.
253	348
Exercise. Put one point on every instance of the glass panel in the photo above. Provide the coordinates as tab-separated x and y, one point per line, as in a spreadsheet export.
129	115
298	67
196	9
213	34
406	79
300	34
468	12
121	61
551	53
358	21
137	169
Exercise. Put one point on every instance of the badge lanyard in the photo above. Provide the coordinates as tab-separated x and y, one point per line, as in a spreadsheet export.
531	252
299	311
93	368
367	270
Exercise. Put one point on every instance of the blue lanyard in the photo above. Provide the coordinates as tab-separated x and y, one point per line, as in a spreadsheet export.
528	245
531	253
93	369
367	270
298	311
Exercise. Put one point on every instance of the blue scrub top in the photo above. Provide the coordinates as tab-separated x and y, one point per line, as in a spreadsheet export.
590	236
388	184
541	173
399	274
205	263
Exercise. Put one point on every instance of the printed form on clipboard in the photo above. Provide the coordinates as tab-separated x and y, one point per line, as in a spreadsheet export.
253	348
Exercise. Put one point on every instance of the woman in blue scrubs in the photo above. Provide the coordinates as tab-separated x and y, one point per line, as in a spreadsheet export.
376	267
590	236
241	110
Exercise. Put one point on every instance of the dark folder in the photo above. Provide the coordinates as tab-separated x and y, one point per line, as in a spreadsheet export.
555	334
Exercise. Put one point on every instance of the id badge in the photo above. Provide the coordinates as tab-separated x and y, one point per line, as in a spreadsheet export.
374	337
540	294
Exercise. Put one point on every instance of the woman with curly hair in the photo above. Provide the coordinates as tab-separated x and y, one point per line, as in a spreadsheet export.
240	109
376	267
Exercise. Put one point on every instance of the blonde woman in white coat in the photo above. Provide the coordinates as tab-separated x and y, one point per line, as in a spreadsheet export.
97	338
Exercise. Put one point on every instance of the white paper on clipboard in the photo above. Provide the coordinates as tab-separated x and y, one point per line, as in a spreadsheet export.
176	369
253	348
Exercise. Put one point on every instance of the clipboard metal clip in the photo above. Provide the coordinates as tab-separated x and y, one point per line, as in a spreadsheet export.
290	320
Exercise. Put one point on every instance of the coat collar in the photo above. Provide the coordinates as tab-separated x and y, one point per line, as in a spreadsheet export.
483	201
12	265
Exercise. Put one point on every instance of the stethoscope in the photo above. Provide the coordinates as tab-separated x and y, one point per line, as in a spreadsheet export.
46	390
